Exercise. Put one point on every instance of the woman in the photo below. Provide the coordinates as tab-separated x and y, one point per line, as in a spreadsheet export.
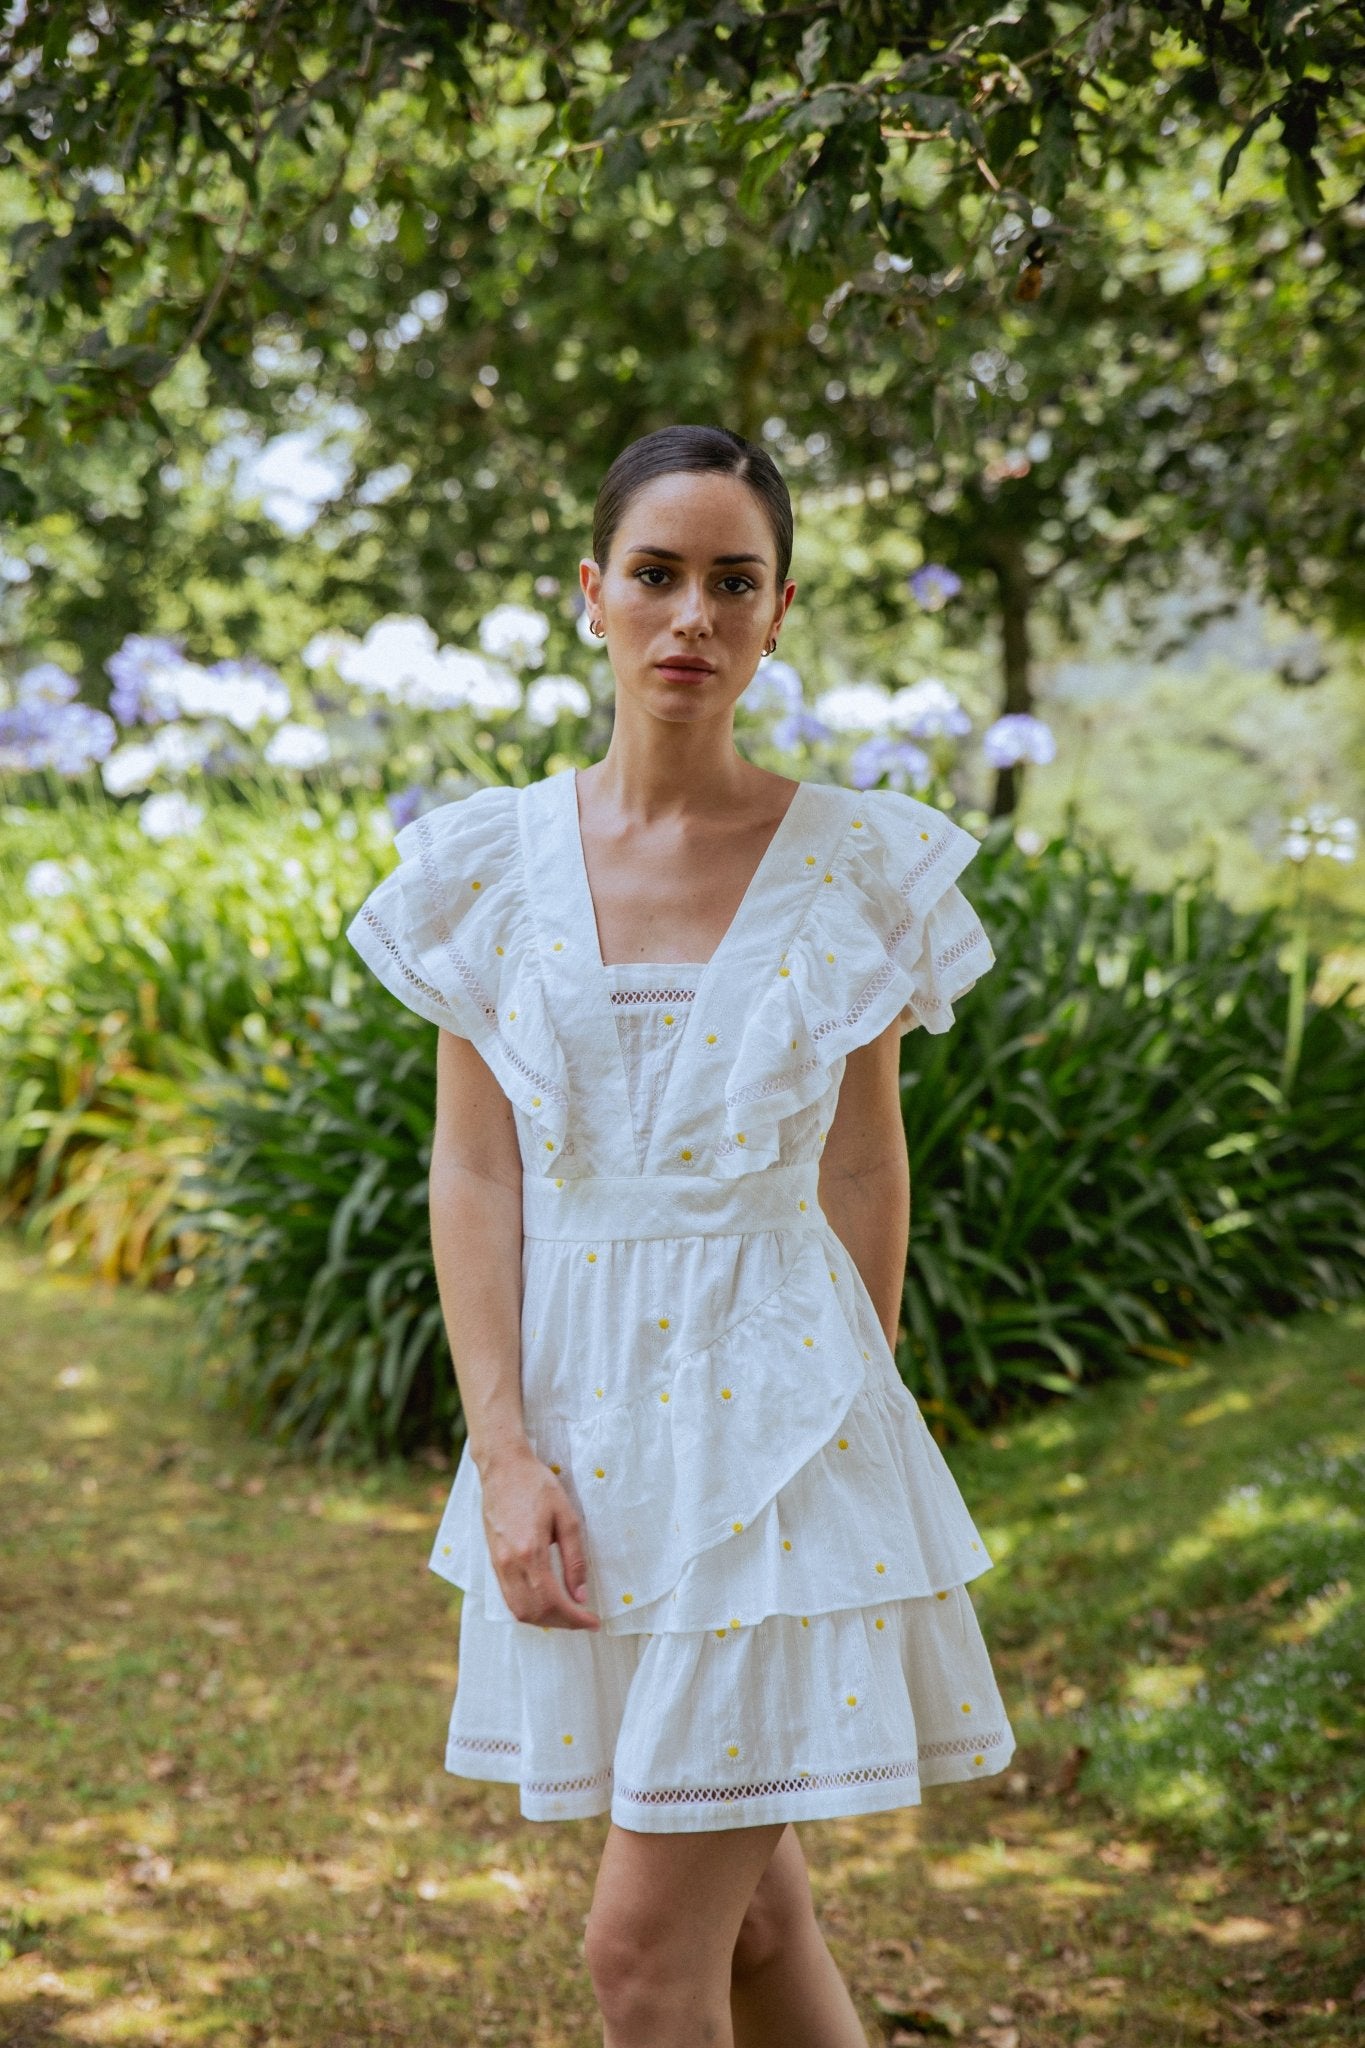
714	1563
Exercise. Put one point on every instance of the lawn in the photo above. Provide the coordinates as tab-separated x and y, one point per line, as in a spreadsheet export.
225	1819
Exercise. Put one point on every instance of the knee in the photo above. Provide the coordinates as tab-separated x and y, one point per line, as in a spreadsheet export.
768	1930
626	1964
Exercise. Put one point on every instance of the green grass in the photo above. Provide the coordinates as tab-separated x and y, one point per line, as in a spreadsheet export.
223	1817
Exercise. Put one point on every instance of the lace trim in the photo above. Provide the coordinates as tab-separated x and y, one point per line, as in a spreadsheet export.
808	1781
631	998
473	987
487	1745
777	1084
390	945
712	1795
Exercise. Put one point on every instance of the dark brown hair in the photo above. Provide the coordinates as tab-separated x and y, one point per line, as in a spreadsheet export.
692	448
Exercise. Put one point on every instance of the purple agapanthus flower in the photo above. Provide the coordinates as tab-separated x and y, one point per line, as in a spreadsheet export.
903	764
46	734
933	585
406	804
800	729
135	669
776	686
1016	737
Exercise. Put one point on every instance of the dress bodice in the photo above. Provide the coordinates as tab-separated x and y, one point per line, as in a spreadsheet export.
651	1000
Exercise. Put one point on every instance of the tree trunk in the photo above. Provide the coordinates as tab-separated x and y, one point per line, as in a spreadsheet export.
1005	554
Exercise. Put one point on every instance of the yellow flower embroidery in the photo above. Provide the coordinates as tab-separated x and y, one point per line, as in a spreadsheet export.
568	1738
598	1473
445	1550
829	878
721	1633
498	951
559	946
966	1706
598	1392
663	1322
978	1759
975	1545
511	1016
739	1137
554	1468
801	1205
476	885
940	1596
668	1017
736	1526
809	1343
663	1396
725	1393
852	1699
924	835
832	1274
880	1622
558	1182
734	1621
810	860
535	1102
591	1258
549	1144
805	1621
786	1543
879	1566
710	1038
830	958
857	824
626	1599
732	1749
784	970
686	1153
843	1443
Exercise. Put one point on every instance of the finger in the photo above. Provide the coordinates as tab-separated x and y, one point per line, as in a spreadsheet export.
568	1534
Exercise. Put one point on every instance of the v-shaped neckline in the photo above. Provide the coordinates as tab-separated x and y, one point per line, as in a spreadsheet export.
738	925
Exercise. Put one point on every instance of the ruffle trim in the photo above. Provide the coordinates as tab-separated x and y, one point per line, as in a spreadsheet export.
790	1472
887	935
449	933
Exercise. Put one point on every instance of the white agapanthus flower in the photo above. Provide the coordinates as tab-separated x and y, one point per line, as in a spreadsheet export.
495	692
452	679
515	634
1320	831
325	647
549	696
47	878
169	816
293	745
1018	736
179	748
128	768
855	707
929	709
396	655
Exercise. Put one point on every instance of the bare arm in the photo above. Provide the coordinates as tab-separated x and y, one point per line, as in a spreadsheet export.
474	1191
865	1174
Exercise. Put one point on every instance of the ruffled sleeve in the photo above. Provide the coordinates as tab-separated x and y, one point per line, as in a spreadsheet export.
888	938
449	933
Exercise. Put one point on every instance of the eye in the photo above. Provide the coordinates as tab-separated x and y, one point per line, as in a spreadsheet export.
746	583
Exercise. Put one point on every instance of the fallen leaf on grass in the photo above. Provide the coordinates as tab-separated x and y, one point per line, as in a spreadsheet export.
929	2019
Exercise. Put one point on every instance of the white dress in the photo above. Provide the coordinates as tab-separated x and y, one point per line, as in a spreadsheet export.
775	1543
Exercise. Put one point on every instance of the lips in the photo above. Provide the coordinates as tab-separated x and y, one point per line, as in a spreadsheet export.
681	666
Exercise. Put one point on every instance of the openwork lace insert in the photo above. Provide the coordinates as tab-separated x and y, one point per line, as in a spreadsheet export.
633	998
777	1084
474	988
711	1795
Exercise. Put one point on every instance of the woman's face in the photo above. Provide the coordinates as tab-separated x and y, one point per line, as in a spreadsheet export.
691	580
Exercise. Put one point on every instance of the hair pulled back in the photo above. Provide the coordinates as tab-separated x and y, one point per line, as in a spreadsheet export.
692	448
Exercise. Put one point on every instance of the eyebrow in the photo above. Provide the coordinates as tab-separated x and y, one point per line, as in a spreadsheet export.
672	555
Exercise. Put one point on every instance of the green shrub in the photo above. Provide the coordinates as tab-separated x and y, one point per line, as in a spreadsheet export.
1105	1165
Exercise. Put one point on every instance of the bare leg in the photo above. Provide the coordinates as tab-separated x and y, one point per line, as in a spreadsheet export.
786	1991
660	1938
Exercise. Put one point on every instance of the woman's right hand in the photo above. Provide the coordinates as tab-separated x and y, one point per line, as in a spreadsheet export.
525	1510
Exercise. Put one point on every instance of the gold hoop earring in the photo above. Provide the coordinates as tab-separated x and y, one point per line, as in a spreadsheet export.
596	626
771	647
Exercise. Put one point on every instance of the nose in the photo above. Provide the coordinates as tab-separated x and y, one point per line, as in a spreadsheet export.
692	613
